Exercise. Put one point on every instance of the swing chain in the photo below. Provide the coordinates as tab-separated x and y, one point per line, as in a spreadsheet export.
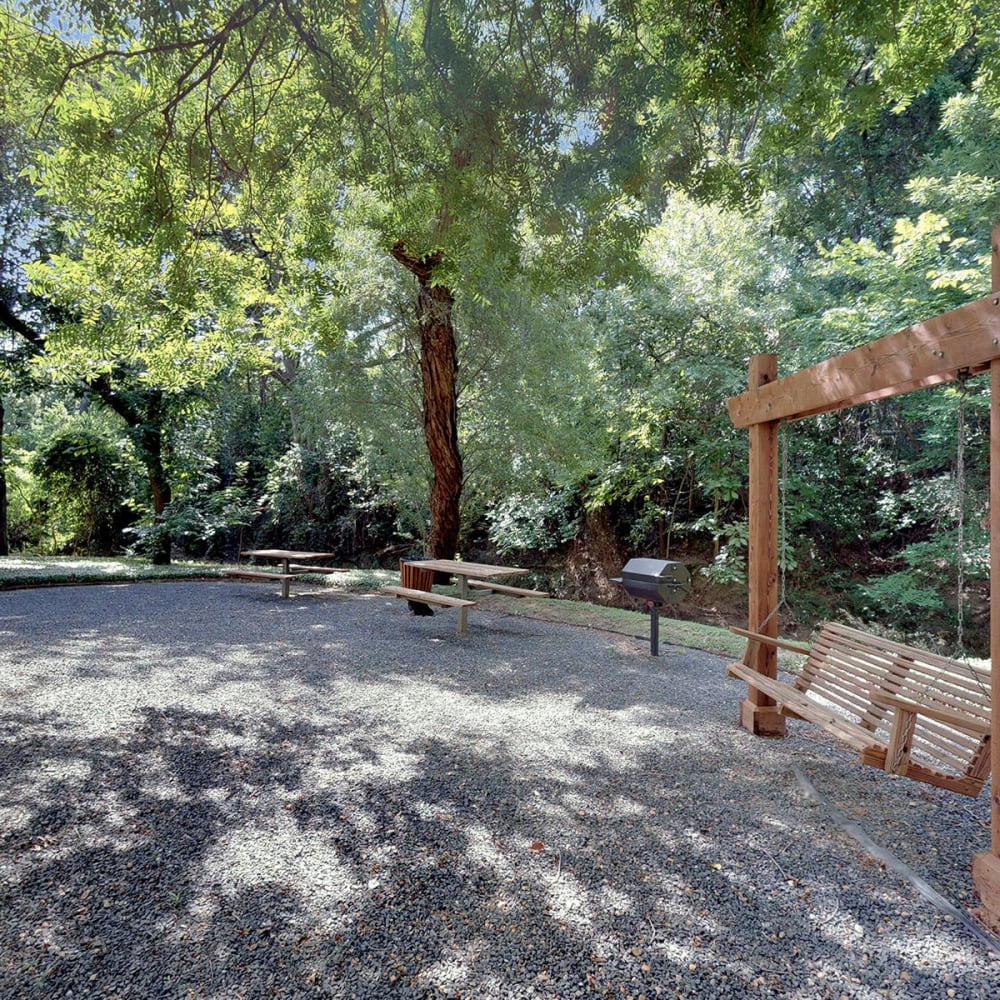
959	503
783	542
962	377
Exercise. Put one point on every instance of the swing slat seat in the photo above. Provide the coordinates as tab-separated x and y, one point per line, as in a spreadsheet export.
906	711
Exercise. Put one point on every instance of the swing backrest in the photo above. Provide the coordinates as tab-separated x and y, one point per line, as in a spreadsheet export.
850	669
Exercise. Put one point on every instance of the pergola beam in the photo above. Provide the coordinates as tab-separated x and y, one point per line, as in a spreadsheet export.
922	355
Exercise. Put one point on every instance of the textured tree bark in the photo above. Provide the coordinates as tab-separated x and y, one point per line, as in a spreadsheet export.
151	452
439	375
4	545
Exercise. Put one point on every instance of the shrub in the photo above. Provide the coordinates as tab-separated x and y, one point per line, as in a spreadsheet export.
83	491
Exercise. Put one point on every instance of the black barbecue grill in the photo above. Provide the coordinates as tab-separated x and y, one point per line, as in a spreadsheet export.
656	582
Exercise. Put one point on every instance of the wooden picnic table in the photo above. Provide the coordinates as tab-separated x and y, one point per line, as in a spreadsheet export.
286	557
463	572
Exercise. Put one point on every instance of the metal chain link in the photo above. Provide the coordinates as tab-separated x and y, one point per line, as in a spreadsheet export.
963	378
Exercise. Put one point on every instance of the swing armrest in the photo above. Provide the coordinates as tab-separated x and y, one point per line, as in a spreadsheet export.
770	640
964	723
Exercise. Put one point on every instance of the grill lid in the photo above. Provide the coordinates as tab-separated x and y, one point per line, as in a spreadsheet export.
660	581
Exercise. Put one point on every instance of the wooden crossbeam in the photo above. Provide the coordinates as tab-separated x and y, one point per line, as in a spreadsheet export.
922	355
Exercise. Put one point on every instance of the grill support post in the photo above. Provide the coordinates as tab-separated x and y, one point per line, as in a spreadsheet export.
654	629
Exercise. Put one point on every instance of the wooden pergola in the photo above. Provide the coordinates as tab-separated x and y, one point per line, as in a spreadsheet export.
965	341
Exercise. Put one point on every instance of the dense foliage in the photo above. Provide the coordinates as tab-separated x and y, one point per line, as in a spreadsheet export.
479	277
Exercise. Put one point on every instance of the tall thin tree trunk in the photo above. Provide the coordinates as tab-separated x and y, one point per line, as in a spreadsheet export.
150	449
160	488
439	375
4	538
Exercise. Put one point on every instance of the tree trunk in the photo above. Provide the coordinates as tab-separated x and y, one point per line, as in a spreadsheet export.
439	375
151	454
4	538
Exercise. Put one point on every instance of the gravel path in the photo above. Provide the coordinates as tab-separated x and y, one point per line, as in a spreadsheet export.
207	791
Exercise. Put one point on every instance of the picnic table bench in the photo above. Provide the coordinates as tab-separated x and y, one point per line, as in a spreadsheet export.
255	574
427	597
905	710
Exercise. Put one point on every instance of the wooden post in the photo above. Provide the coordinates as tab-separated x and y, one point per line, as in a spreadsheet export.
994	610
758	713
986	866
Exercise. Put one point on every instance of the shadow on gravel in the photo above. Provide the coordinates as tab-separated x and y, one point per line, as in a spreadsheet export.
336	801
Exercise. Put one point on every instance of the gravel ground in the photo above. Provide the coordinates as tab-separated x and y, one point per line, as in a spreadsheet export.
207	791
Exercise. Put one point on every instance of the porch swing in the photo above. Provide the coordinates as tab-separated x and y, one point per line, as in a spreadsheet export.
928	353
905	711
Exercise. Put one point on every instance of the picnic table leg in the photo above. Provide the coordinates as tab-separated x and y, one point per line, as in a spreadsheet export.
463	613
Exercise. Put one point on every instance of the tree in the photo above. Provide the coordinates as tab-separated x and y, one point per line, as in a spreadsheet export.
525	403
470	110
83	480
143	409
135	283
475	123
19	238
717	288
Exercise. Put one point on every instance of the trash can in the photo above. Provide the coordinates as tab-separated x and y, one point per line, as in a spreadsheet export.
411	575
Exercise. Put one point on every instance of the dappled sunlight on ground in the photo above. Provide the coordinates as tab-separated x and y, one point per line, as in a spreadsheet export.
205	785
